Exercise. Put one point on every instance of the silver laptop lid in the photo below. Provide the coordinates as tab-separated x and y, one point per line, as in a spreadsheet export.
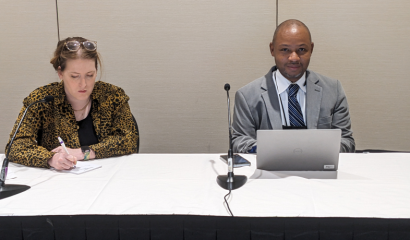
298	150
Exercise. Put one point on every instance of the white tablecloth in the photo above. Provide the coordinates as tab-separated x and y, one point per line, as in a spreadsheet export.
366	185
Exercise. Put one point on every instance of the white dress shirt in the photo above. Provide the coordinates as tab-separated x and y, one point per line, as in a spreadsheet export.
282	85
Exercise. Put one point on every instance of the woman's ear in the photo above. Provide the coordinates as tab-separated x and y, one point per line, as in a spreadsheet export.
60	73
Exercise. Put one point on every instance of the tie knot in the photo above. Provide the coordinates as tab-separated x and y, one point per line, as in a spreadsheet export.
293	89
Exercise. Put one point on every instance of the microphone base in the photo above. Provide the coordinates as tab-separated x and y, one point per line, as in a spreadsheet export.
238	181
9	190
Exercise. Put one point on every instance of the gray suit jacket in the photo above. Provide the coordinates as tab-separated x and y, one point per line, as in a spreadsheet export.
257	107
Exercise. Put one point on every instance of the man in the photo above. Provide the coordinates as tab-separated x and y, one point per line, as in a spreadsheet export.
290	96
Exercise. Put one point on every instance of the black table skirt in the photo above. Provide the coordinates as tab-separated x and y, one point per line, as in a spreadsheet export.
181	227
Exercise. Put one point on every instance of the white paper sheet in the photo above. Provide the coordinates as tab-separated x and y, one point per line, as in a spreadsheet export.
82	167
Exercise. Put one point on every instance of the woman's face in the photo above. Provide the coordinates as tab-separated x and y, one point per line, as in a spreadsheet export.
79	78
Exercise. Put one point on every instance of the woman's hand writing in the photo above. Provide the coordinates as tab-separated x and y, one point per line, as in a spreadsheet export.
76	152
62	161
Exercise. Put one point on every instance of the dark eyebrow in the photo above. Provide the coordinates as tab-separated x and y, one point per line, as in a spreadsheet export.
286	45
80	74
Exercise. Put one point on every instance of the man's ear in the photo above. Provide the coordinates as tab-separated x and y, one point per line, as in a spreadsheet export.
311	49
271	48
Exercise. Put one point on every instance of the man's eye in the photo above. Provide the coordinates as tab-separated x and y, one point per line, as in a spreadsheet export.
90	75
74	76
302	49
284	49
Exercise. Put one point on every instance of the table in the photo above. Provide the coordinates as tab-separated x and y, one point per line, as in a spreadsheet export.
370	193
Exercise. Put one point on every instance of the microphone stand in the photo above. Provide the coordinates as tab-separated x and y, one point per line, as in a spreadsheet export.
8	190
230	181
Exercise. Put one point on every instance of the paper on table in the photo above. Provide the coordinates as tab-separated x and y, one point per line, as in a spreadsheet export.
82	167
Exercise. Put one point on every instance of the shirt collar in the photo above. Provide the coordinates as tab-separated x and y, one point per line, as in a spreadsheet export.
283	83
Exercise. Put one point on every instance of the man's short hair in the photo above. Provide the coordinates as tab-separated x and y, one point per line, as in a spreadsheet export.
290	22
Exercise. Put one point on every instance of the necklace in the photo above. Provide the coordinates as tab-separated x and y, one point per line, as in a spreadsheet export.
83	107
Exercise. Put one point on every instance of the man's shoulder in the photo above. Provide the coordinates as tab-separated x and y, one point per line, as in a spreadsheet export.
260	84
321	80
253	91
254	86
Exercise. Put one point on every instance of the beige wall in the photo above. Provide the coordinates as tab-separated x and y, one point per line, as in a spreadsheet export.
173	58
365	45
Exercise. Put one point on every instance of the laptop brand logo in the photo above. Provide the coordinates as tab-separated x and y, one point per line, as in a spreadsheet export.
329	166
298	151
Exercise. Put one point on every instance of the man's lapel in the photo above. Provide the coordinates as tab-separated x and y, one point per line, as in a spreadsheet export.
313	100
270	97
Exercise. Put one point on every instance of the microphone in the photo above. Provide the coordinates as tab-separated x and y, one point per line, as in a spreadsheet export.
7	190
47	99
227	87
230	181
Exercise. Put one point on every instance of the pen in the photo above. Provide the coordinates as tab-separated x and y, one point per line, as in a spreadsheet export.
63	145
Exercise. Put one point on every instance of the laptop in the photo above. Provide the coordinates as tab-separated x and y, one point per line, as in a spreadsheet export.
298	150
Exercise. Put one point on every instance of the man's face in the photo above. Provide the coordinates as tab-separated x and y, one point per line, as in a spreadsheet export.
292	50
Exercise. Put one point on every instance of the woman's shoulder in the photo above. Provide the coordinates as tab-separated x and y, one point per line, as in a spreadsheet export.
105	91
50	89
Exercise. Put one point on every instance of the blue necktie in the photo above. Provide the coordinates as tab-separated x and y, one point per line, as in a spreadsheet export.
295	113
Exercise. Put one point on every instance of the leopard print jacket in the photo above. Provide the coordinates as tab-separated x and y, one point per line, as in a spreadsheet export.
112	119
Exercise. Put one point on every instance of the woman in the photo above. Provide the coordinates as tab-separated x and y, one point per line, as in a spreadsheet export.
92	118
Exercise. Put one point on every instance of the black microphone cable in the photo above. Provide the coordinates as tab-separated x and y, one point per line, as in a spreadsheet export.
58	25
227	204
277	11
